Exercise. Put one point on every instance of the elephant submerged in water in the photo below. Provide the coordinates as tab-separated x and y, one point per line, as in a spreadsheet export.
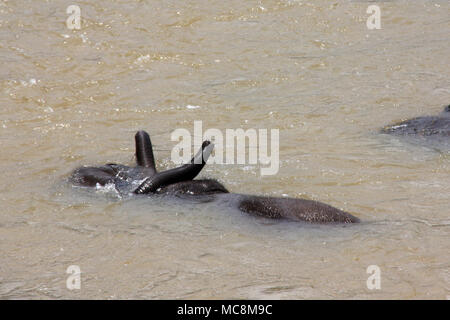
425	126
145	180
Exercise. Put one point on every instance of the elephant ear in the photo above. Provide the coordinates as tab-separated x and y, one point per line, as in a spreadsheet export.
144	151
184	173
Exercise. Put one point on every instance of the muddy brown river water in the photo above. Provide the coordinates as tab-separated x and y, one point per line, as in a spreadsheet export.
311	69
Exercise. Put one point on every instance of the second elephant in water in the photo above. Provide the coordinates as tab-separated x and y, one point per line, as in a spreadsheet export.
426	126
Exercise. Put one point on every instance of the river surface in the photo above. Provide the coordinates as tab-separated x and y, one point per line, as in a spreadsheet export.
311	69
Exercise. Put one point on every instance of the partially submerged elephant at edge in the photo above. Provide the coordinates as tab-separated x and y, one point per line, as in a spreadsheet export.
145	180
426	126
